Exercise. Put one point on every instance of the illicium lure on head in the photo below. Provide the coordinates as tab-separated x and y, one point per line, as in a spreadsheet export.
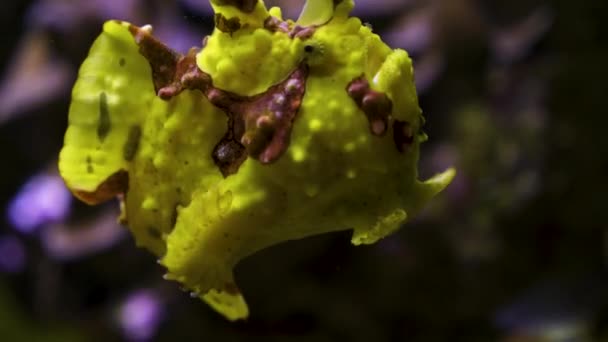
275	130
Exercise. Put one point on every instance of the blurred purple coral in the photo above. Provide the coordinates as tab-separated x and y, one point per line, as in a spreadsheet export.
67	242
65	16
412	31
374	8
140	315
512	43
33	77
43	199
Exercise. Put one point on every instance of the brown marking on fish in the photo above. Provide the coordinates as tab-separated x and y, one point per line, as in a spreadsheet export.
376	105
260	125
229	154
172	72
274	24
303	32
117	183
403	135
161	58
226	25
231	289
187	76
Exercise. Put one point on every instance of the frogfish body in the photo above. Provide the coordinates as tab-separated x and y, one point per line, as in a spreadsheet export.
274	130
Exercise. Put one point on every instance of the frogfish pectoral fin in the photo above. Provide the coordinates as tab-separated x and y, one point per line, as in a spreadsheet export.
201	253
423	192
110	98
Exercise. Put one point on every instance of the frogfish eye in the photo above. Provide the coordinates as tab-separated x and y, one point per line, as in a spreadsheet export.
314	52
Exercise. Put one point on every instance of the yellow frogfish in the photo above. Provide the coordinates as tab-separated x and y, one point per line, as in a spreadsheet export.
274	130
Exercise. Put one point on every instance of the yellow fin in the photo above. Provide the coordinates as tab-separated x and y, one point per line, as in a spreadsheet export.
109	100
316	12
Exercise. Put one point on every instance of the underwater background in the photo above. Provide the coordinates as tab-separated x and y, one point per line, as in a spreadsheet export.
515	249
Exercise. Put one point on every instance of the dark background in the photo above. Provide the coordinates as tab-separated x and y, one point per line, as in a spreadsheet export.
514	250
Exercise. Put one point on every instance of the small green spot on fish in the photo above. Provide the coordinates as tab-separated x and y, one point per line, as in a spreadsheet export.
103	128
130	147
89	165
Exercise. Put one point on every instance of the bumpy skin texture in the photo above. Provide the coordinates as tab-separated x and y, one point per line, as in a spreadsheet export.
273	131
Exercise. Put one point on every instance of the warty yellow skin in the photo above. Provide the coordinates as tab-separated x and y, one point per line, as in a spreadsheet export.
335	172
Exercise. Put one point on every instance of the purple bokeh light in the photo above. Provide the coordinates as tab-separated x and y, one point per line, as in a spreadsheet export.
68	242
66	16
140	315
413	32
512	43
44	198
12	254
